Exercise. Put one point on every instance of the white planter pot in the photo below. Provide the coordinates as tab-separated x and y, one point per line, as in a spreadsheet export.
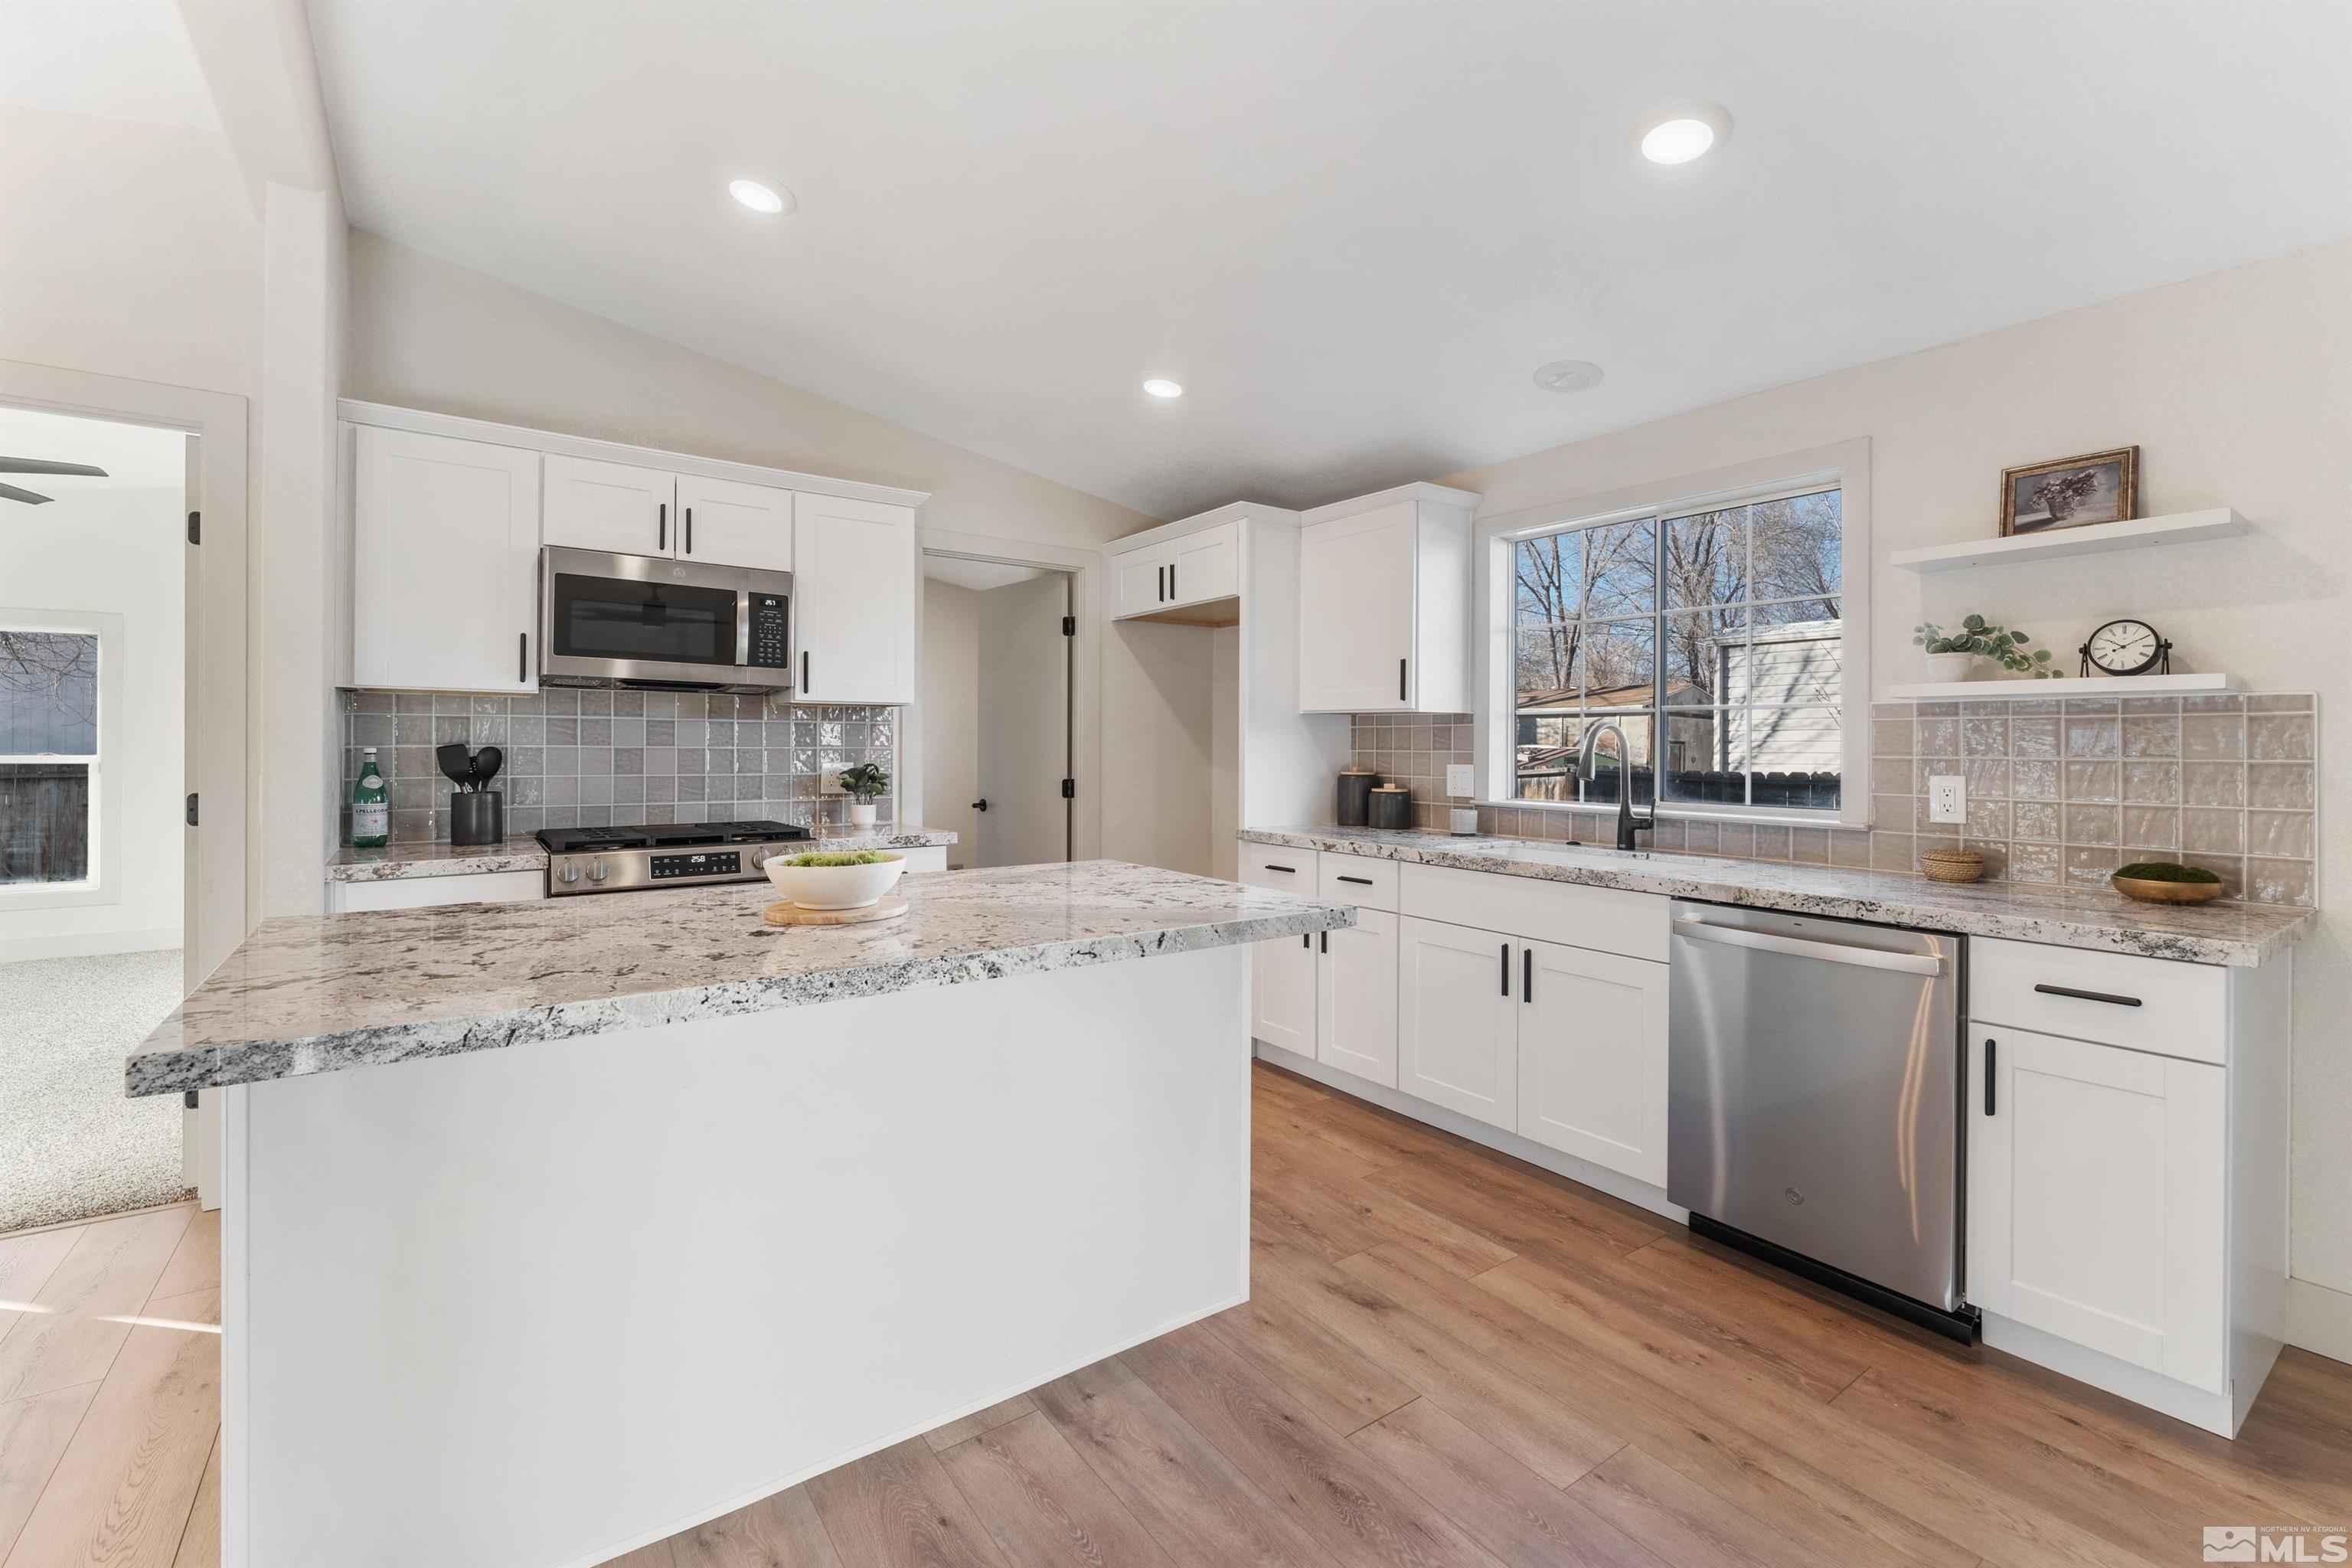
861	814
1951	667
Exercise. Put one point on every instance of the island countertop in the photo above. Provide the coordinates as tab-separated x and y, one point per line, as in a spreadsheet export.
310	994
521	852
2241	934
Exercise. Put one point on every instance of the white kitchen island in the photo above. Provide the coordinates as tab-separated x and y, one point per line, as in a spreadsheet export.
551	1229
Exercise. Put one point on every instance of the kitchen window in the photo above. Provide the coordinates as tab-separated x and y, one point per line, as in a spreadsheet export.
1714	632
50	725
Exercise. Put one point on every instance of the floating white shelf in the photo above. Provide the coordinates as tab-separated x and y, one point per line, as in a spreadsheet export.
2091	538
2067	686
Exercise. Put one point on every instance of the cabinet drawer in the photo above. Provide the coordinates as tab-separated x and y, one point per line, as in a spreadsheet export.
1358	879
2115	998
1604	920
1273	866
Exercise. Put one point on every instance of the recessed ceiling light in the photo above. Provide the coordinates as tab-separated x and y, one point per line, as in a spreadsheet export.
1684	133
759	197
1158	387
1567	376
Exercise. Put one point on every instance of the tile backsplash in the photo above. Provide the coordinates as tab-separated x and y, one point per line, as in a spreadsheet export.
2060	791
580	758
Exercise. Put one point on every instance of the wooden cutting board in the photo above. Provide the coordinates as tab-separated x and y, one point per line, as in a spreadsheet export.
788	913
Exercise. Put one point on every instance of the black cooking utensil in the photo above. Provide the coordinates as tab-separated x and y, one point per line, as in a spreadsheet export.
457	764
487	763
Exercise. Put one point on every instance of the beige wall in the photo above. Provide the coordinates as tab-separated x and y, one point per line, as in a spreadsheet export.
2237	388
950	718
427	333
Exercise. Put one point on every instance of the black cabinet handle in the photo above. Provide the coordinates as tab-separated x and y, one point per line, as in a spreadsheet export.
804	684
1400	696
1326	941
1506	969
2106	997
662	538
690	531
1286	870
1527	975
1990	1051
1360	881
522	656
1172	579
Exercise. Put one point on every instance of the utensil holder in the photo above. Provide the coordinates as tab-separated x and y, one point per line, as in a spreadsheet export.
477	817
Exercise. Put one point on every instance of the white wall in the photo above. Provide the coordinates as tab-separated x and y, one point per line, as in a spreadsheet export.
951	715
2237	388
74	554
1159	737
1225	751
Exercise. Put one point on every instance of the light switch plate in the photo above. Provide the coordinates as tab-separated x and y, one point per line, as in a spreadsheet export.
1458	779
1948	798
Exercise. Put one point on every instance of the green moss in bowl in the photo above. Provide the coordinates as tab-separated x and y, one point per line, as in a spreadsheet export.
2166	871
840	857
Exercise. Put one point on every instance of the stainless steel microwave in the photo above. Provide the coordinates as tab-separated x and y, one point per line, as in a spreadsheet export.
647	620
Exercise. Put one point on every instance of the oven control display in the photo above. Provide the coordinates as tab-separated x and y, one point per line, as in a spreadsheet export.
699	863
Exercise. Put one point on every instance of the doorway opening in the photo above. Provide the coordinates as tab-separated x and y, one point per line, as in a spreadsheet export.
998	761
94	879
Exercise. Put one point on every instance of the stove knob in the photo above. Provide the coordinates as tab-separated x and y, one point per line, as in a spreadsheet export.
570	872
758	858
596	871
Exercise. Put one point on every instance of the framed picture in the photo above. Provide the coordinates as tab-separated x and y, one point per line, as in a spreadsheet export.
2099	487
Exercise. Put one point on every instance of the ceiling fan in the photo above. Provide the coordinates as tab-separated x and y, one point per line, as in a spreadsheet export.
39	466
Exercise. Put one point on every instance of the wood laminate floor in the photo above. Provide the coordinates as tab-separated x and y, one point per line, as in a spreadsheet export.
1448	1358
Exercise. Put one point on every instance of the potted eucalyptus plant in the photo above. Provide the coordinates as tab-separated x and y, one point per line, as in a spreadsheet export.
1952	655
862	784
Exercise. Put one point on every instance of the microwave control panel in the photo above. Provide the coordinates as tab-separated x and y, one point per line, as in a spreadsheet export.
769	635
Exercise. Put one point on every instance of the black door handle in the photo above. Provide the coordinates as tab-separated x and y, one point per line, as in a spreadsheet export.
980	806
1990	1050
1506	969
2107	997
690	531
1527	975
661	538
1400	696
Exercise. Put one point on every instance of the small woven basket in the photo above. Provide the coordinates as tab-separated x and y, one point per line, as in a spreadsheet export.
1951	865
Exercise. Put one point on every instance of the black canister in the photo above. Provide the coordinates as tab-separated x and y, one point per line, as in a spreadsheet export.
478	815
1391	806
1356	797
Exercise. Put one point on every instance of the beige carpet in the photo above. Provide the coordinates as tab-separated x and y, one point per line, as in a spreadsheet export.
71	1145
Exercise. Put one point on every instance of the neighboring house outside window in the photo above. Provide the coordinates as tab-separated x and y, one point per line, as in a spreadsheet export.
1713	632
50	757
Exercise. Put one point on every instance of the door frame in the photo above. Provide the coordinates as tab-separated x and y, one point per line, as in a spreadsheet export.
223	877
1084	568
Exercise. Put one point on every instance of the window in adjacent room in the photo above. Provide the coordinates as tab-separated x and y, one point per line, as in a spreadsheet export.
49	752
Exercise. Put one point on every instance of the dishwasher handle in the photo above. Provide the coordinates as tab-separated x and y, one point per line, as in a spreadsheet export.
1800	947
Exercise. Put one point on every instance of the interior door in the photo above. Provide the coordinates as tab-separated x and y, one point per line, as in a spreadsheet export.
1356	1011
445	563
731	524
854	576
2095	1183
617	507
1024	723
1355	612
1592	1056
1457	1019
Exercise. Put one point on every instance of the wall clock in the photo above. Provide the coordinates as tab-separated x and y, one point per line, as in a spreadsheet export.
2126	647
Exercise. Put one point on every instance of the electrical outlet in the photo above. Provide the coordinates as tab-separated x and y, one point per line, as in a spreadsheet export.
1458	779
1948	798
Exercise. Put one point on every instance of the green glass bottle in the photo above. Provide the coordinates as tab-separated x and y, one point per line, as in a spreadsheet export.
371	807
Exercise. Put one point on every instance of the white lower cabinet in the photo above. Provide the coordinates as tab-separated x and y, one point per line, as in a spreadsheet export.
1282	970
2095	1183
1356	1005
1457	1019
1592	1056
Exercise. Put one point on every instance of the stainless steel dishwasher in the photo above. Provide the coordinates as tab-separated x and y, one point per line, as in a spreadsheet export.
1813	1100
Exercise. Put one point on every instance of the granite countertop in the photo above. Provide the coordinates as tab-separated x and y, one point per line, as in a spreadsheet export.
2240	934
401	862
313	993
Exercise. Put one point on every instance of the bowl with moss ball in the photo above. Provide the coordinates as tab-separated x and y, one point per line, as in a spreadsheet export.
2166	882
835	878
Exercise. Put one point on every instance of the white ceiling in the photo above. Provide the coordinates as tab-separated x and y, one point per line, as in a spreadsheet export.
115	60
964	572
1352	231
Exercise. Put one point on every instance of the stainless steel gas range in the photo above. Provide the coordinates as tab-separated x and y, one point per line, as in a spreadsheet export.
663	855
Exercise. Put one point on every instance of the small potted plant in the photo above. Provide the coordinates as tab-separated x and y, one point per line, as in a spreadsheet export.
862	784
1952	656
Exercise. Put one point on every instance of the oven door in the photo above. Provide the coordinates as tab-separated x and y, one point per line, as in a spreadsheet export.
609	617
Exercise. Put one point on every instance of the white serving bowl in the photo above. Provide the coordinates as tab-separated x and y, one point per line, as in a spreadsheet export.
834	887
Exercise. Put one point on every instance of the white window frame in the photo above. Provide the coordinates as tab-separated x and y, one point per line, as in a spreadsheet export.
1845	466
104	883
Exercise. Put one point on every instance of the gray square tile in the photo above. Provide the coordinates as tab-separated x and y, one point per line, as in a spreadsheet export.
2212	783
2152	783
2093	781
2032	736
2035	779
2096	824
2281	786
2092	737
2213	832
2152	826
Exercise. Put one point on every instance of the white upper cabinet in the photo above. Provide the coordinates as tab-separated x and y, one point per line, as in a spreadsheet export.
853	581
1173	579
729	523
1385	603
445	564
612	507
